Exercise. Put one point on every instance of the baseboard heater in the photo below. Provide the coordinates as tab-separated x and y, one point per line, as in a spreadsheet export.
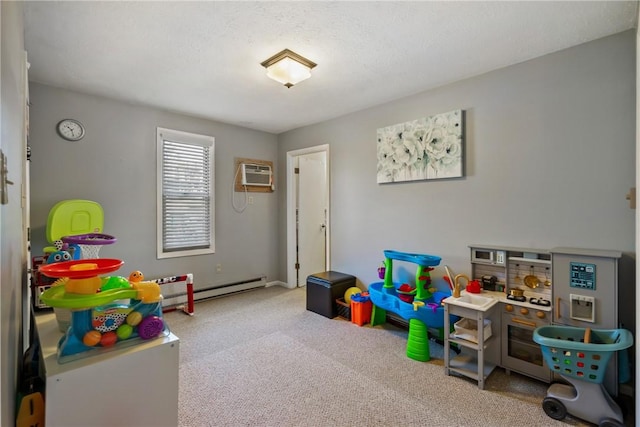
176	297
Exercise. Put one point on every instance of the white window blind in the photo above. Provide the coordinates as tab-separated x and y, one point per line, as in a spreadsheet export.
185	194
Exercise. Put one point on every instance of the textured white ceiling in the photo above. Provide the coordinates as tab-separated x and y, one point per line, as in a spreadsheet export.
203	58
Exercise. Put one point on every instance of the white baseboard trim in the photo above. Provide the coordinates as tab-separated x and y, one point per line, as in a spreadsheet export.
279	283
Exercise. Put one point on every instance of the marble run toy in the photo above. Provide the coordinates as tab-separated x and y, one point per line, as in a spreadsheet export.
105	311
420	306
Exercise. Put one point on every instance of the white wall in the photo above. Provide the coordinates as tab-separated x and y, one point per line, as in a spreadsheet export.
12	262
550	156
115	165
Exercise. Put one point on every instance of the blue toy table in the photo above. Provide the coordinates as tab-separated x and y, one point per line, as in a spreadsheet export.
424	312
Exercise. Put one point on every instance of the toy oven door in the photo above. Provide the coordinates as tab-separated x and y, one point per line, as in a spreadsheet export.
519	352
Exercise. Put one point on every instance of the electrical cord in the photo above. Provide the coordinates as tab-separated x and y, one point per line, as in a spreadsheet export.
233	188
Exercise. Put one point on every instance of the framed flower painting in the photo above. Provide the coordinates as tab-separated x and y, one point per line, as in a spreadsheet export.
423	149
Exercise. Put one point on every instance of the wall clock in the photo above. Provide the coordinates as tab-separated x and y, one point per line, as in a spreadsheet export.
71	130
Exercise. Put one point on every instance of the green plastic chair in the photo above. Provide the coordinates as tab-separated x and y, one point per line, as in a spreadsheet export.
71	218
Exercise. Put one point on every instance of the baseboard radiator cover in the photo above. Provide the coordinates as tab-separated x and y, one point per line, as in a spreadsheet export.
215	291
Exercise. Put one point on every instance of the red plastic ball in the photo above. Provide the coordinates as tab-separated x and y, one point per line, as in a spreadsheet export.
108	339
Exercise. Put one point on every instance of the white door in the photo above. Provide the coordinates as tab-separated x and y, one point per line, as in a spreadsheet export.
312	215
310	251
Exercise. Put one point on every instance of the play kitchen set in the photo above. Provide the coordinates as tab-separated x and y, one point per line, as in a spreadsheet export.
525	289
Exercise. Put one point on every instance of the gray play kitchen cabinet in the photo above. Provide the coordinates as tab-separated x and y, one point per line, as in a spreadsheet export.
520	280
536	287
586	294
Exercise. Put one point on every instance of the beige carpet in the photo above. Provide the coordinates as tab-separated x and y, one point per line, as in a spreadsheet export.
261	359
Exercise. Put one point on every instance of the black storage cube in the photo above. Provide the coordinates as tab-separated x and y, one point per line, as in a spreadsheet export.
323	289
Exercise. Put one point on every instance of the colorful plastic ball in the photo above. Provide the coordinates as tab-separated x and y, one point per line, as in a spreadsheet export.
91	338
108	339
134	318
124	331
115	282
150	327
351	291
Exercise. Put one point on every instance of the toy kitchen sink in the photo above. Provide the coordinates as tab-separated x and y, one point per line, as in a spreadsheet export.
472	301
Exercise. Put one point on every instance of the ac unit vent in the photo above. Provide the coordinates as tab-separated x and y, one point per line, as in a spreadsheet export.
259	175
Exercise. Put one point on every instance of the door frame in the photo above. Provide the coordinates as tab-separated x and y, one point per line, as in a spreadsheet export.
292	202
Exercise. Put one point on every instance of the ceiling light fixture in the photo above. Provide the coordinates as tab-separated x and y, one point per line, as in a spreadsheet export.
288	67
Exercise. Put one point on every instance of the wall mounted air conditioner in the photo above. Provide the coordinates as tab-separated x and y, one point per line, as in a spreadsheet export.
258	175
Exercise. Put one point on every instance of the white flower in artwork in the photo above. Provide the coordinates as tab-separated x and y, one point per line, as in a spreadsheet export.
407	152
421	149
435	147
385	152
388	143
453	149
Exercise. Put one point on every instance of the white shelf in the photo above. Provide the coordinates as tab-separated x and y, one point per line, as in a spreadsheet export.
470	344
467	365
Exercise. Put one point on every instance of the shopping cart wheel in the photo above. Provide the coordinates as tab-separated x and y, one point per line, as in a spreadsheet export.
554	408
610	422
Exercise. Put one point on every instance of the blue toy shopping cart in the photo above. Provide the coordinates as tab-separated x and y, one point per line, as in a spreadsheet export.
580	356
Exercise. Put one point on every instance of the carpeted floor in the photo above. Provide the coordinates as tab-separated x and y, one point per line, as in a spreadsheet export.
259	358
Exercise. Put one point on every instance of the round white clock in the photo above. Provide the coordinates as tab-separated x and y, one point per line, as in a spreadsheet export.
71	130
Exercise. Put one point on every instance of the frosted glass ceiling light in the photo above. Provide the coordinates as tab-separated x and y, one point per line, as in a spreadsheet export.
288	67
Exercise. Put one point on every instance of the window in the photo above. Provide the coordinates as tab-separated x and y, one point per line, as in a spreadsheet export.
185	213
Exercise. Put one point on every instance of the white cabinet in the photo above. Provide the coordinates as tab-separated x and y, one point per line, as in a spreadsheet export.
136	385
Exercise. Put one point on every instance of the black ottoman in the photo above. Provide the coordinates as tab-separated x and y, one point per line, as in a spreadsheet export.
323	289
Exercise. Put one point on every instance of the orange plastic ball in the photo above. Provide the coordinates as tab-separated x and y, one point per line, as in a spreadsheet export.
108	339
91	338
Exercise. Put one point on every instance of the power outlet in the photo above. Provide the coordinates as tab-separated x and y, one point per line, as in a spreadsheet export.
250	200
218	268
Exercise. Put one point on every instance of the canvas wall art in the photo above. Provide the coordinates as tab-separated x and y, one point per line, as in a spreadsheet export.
424	149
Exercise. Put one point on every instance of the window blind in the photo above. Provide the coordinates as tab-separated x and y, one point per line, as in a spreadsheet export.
186	196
